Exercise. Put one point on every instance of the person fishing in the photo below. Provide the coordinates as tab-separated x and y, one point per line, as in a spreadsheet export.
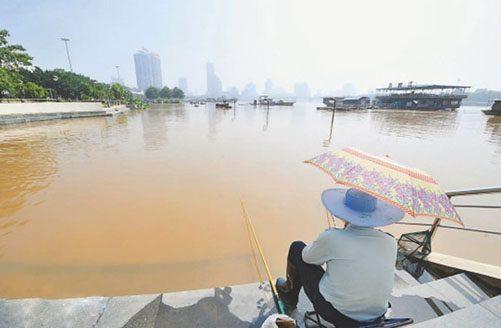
360	262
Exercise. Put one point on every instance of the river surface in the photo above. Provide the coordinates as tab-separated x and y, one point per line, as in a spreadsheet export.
149	201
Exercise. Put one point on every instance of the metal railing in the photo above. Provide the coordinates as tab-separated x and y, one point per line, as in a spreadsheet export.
464	192
474	191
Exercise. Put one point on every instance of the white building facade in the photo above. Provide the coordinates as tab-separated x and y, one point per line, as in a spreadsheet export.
148	69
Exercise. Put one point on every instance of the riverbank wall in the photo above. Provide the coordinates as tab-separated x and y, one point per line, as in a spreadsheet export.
12	113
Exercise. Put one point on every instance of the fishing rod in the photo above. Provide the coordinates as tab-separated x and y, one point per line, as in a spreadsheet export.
278	302
253	250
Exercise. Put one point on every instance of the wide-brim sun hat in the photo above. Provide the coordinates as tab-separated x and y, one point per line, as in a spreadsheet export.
359	208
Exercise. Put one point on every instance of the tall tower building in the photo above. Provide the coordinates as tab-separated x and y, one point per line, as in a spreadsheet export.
182	84
301	90
214	85
148	69
268	87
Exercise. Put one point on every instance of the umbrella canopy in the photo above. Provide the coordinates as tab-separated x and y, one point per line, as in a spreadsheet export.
411	190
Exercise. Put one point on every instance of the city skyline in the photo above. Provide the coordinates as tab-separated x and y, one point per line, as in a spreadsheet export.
286	45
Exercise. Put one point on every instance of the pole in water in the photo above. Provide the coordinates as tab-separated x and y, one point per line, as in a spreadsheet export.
278	302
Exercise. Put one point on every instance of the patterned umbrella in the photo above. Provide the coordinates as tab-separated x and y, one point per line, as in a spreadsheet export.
411	190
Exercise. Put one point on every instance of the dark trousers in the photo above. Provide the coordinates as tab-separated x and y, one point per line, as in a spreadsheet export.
301	274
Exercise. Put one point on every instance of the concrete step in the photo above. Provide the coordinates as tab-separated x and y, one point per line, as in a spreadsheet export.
437	298
404	279
484	314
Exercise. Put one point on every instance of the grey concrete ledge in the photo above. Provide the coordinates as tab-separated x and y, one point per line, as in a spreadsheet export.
26	118
235	306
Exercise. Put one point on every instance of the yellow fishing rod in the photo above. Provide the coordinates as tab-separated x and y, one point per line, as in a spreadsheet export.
278	302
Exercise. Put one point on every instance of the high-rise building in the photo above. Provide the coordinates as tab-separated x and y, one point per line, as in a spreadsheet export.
148	70
249	92
182	84
301	90
232	93
214	85
268	87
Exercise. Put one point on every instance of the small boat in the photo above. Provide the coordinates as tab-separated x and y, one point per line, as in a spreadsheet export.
223	105
495	109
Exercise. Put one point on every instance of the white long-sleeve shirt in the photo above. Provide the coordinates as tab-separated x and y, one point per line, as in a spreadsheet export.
360	269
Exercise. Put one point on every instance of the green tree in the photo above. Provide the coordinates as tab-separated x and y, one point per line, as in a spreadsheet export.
9	84
33	90
165	93
68	85
13	58
177	93
151	93
118	91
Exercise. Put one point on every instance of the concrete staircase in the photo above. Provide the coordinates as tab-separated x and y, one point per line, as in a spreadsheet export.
449	302
454	301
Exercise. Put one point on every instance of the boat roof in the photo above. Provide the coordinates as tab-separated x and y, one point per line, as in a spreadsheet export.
424	87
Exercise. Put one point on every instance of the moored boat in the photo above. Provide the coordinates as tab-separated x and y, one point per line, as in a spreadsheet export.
495	109
223	105
421	96
267	101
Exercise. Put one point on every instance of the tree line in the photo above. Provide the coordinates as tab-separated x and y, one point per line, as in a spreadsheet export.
153	93
20	79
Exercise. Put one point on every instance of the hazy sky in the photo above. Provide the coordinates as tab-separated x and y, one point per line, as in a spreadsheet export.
325	43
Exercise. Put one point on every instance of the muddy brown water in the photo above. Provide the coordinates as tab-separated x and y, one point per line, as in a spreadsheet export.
149	201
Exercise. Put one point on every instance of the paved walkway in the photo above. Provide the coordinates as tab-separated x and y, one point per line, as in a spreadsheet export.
11	113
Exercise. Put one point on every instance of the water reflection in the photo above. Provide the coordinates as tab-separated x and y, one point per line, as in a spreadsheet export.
154	123
327	142
414	123
493	129
27	167
267	119
214	118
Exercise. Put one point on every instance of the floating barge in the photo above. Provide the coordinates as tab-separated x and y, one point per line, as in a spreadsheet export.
345	103
421	97
267	101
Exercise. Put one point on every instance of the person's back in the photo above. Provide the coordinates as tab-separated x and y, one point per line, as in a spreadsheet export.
357	283
360	269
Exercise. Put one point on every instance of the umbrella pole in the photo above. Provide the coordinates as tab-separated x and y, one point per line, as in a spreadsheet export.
278	303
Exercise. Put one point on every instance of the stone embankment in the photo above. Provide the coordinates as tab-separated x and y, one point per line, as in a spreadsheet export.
11	113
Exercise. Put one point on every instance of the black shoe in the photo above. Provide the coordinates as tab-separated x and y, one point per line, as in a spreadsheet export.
284	293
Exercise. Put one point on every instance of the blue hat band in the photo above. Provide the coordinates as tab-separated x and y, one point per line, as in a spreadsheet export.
360	201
